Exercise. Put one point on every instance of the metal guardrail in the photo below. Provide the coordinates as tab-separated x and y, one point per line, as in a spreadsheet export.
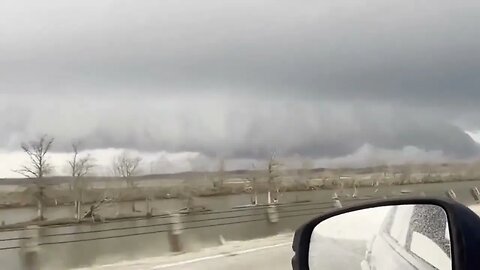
175	224
259	211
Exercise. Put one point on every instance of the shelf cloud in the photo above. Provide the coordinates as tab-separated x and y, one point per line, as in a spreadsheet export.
319	79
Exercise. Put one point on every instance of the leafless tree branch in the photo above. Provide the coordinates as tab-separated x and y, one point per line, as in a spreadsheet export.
80	166
36	151
37	167
125	165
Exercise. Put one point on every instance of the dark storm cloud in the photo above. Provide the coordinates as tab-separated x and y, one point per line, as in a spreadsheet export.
241	128
115	74
407	50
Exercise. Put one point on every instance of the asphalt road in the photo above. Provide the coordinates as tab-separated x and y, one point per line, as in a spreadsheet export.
269	253
275	255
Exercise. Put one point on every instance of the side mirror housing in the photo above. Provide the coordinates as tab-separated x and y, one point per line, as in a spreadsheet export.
421	233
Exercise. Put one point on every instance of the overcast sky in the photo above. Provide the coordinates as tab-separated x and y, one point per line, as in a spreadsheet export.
328	80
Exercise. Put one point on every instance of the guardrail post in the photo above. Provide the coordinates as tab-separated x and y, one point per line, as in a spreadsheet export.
272	214
149	210
475	193
451	194
337	203
30	248
78	210
176	229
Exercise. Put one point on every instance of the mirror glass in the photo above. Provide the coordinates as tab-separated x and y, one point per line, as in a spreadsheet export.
383	238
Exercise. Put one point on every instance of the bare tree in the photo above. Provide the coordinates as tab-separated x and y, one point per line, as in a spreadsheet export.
125	165
149	196
273	177
112	194
79	167
37	167
302	180
92	212
219	180
405	174
254	185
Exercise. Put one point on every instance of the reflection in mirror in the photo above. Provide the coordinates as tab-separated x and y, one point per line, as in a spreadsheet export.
383	238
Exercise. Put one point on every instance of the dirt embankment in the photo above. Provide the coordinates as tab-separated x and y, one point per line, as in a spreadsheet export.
54	195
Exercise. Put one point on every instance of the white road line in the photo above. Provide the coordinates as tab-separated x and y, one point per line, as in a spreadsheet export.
163	266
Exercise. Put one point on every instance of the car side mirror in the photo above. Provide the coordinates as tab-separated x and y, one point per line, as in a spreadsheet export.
391	234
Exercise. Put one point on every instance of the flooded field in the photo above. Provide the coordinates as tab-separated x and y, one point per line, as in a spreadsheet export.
214	203
101	243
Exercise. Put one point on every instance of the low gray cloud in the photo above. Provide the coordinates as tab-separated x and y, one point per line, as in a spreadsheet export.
244	79
244	128
402	50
